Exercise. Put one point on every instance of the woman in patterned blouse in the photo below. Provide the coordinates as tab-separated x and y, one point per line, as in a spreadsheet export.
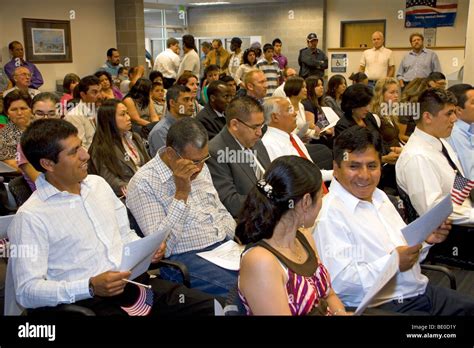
280	273
17	107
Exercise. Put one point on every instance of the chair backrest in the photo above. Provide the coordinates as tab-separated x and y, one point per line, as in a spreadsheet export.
20	190
411	213
6	206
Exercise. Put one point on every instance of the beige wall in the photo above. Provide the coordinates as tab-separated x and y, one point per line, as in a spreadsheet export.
92	33
266	20
396	33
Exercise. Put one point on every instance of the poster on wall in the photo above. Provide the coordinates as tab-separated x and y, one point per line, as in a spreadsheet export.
430	37
430	13
339	63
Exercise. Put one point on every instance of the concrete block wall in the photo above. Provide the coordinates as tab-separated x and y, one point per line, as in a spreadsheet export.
130	26
290	21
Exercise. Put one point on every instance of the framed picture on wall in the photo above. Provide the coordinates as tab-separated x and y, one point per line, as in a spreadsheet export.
47	40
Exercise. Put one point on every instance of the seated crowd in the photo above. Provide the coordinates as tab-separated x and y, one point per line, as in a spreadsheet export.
247	155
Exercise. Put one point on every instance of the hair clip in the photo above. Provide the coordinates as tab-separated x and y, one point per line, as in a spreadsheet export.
265	188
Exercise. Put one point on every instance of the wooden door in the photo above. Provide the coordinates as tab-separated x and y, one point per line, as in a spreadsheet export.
359	34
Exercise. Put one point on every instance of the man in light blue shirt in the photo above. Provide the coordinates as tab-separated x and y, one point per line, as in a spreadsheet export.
420	62
462	136
112	65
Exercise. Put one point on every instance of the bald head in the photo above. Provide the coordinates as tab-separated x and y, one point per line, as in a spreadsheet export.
289	72
377	39
256	84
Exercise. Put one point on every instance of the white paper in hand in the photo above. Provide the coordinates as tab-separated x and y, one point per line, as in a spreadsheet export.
421	228
331	116
387	273
226	255
137	255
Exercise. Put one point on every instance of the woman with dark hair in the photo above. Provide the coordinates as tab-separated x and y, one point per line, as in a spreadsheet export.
16	105
359	77
312	104
191	81
249	59
69	83
295	90
336	86
116	153
107	89
280	273
140	104
355	105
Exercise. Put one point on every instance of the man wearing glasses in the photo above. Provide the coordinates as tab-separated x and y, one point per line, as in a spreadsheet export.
238	157
175	191
17	53
22	80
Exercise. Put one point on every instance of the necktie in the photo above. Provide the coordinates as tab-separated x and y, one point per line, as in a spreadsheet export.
455	167
258	170
302	154
218	59
297	147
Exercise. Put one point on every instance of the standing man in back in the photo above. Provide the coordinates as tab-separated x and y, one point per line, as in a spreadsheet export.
312	60
167	62
377	62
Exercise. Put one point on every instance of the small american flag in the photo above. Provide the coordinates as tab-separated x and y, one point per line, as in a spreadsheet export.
142	306
461	189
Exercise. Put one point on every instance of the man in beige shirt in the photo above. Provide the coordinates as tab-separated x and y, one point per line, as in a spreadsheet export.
377	62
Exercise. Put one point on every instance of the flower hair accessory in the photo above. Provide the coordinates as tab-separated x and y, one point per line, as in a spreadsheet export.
265	188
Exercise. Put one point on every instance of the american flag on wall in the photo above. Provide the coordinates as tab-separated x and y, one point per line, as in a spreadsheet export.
430	13
143	305
461	189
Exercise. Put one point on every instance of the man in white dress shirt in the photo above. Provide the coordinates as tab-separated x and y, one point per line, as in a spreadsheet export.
358	228
167	62
279	139
77	228
427	168
424	172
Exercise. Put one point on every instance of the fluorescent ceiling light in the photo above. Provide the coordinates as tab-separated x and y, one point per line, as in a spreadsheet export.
209	3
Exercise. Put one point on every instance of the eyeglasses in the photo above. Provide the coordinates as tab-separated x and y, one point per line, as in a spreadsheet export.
24	74
196	163
49	114
255	128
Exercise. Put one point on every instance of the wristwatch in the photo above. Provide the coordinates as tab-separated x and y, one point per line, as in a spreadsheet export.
91	288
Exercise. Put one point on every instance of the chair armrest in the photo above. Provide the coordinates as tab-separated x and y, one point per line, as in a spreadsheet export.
446	271
177	265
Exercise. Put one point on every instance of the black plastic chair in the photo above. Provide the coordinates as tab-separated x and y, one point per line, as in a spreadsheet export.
181	267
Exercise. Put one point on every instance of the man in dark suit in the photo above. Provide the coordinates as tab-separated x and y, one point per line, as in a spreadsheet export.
238	157
212	116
